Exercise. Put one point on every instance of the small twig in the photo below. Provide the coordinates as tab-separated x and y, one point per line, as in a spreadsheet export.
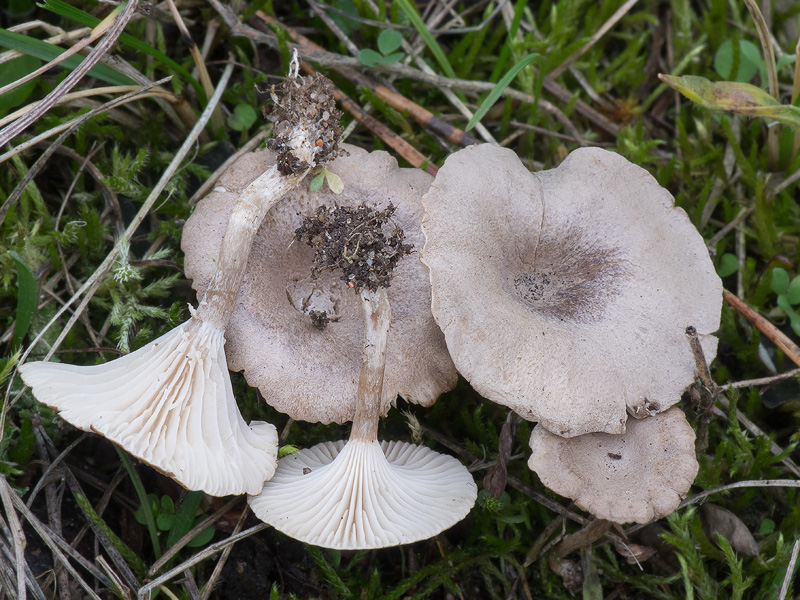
144	591
792	483
743	214
789	348
708	393
17	536
613	20
787	579
761	381
209	587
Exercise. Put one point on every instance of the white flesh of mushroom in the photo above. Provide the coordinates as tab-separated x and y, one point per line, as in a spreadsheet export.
171	403
364	494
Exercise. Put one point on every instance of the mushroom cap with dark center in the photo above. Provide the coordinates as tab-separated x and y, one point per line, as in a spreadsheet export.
566	294
299	339
638	476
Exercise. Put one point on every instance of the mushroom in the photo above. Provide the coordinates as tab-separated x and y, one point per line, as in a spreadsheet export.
565	294
171	403
364	494
298	337
640	475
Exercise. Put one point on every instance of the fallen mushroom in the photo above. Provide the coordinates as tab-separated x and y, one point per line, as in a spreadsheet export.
298	338
638	476
364	494
170	403
565	294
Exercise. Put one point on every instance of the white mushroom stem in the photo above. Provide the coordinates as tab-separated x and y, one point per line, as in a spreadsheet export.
364	494
377	318
252	206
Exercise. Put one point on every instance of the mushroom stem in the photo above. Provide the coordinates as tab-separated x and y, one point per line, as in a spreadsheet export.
377	317
252	206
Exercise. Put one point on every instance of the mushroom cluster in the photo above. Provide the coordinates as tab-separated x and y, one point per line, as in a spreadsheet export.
565	295
332	323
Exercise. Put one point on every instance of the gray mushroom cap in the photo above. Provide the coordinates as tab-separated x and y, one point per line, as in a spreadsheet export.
312	373
638	476
565	294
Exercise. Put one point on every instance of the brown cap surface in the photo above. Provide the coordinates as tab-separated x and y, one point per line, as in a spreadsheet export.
309	372
565	294
640	476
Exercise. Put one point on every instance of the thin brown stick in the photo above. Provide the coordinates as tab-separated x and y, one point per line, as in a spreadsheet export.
775	335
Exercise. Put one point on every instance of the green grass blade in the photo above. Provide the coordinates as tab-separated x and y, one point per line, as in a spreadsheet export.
27	299
494	95
430	41
45	51
129	555
139	487
63	9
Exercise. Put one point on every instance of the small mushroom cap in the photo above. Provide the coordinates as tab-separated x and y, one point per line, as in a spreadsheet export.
362	495
565	294
640	475
170	404
272	335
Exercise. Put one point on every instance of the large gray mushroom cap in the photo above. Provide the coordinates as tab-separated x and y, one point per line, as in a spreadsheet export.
638	476
303	370
565	294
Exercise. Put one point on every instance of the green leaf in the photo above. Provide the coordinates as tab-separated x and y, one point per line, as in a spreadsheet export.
388	41
793	292
164	521
27	299
498	89
369	57
780	280
12	71
286	450
728	265
734	97
316	183
767	526
185	517
45	51
202	538
334	181
391	59
749	60
242	118
22	452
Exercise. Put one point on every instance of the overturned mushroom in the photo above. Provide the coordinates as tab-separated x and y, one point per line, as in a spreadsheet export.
364	494
565	294
298	337
170	403
638	476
